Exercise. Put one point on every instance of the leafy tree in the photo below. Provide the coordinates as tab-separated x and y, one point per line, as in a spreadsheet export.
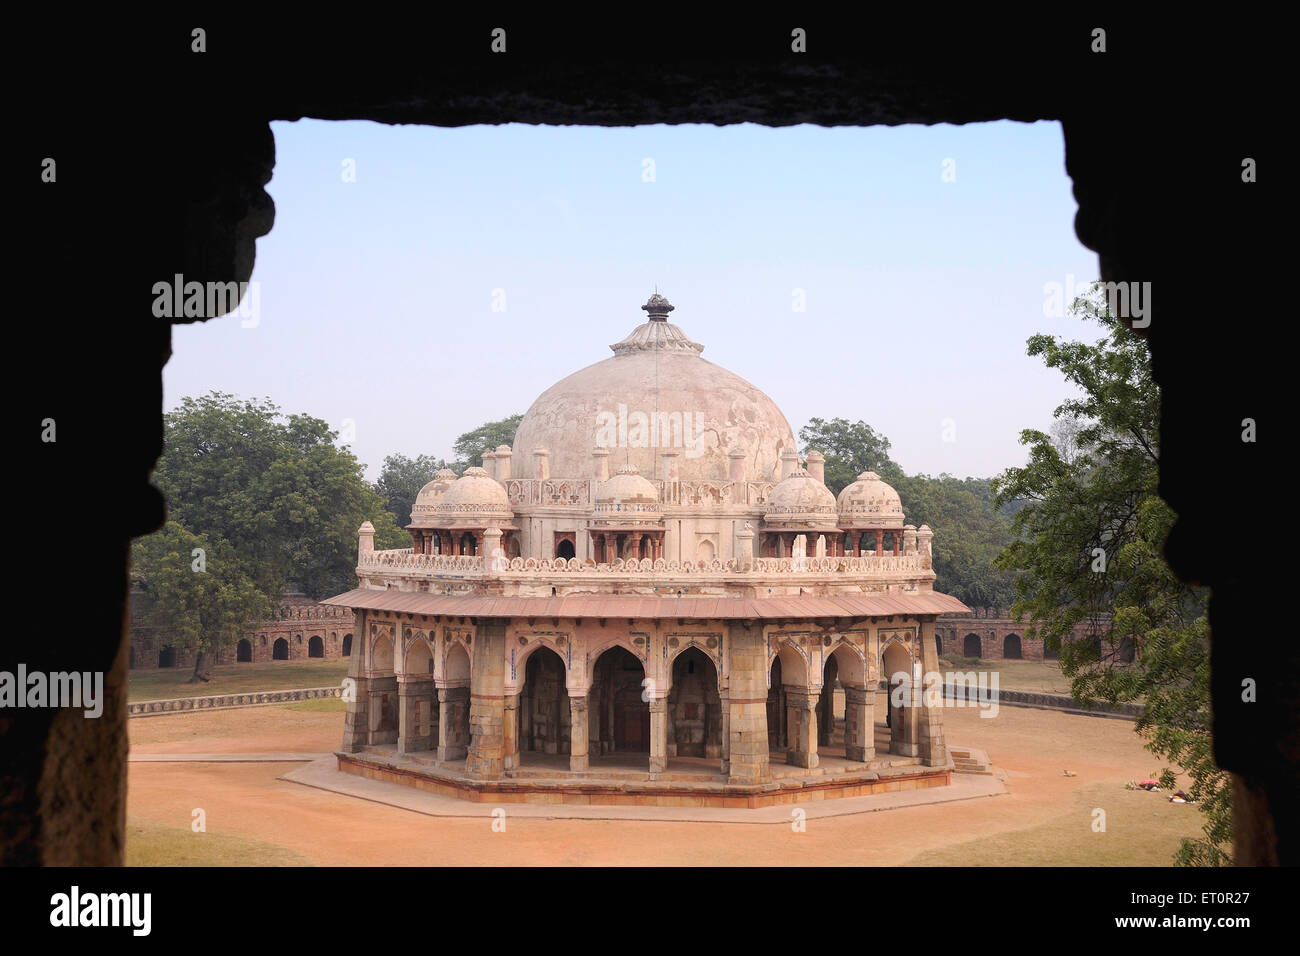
272	494
470	446
197	593
850	449
969	534
275	487
968	528
1088	552
401	480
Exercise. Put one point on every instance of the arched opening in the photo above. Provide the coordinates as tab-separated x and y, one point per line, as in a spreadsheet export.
618	714
565	550
776	737
347	645
1050	653
315	647
830	708
705	552
1011	647
971	646
167	657
468	544
900	717
453	698
694	707
545	721
938	644
244	652
280	650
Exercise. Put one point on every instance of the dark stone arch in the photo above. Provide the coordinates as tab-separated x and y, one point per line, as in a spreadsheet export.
244	652
280	650
694	707
972	646
315	646
347	645
1011	647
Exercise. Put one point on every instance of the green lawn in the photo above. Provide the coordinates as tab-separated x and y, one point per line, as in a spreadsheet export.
1035	677
151	845
168	682
1142	829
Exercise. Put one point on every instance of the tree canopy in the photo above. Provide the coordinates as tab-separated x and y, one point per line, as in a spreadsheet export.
272	494
470	446
401	479
1088	551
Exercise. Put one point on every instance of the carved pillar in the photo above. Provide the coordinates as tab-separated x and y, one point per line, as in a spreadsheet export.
801	705
356	695
578	733
747	751
856	538
725	701
451	722
658	735
930	737
634	552
486	758
510	758
859	723
478	542
880	541
897	538
414	702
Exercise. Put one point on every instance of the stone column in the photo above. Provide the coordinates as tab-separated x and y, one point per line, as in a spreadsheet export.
801	705
503	463
817	466
356	693
365	538
789	463
880	541
510	760
930	738
451	707
736	465
658	735
490	463
634	553
909	539
414	702
486	758
578	728
746	752
896	537
725	702
856	538
859	723
478	543
745	548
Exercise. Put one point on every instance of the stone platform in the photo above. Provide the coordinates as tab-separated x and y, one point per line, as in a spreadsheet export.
624	780
324	774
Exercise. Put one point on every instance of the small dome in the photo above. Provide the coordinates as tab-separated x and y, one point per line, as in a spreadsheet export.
870	503
627	492
476	496
800	499
425	508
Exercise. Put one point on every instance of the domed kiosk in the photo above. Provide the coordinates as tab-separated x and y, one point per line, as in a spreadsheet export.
678	630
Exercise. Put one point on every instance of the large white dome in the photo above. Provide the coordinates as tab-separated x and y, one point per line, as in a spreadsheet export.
703	412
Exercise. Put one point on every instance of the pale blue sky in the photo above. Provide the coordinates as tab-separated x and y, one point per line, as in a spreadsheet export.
376	296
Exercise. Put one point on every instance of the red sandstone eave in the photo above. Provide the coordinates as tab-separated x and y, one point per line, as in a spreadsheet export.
643	607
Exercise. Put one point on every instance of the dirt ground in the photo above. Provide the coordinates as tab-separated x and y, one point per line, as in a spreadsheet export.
1047	819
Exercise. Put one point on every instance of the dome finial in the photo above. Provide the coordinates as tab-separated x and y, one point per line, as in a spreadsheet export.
658	307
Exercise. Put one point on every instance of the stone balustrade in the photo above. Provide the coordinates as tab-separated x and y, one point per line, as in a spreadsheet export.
407	560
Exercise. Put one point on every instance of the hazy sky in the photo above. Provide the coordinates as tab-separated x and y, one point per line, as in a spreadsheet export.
376	297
